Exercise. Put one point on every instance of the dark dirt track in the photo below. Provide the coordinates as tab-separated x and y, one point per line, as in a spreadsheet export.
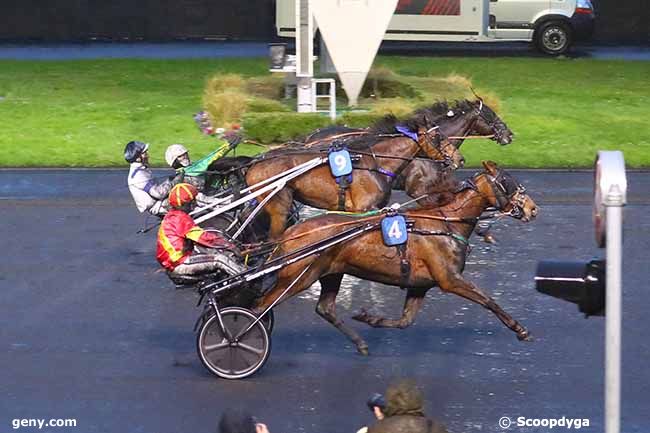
89	329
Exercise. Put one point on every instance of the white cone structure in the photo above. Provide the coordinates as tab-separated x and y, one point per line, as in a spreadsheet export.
353	31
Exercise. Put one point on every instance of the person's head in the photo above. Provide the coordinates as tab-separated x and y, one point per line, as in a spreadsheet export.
239	421
136	151
183	197
403	398
177	156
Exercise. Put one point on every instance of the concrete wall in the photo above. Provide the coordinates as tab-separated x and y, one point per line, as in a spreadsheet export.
622	21
158	20
78	20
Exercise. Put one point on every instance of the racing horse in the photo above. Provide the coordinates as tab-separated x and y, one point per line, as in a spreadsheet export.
459	120
382	155
435	251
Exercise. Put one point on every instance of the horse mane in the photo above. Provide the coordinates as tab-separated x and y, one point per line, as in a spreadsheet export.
442	193
425	117
385	125
432	114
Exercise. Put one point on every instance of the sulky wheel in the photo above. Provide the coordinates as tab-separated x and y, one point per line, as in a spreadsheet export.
268	321
233	354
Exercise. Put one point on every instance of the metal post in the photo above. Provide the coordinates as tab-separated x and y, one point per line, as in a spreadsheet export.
333	100
304	95
614	202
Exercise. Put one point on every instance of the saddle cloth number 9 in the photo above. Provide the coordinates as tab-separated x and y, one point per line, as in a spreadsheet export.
393	229
340	163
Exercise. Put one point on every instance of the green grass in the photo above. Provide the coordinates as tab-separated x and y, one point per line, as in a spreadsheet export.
82	113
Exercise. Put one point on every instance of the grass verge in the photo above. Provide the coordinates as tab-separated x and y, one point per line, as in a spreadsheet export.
82	113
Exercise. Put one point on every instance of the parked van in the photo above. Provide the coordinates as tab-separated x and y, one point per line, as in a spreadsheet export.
552	25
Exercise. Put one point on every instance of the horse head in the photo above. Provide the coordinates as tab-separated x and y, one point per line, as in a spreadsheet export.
487	122
437	147
506	194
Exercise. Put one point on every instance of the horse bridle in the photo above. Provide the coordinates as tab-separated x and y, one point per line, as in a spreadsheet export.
492	124
431	135
516	199
497	133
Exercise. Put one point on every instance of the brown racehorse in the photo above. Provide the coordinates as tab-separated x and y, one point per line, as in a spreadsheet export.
381	158
436	249
461	119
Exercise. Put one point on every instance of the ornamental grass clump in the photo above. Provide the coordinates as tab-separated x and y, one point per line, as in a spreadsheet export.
227	97
225	108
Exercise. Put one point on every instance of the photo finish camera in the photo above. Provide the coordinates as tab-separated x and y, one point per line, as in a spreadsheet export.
577	282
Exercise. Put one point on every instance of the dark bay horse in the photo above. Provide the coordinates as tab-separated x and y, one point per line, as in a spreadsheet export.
462	119
436	249
456	121
381	158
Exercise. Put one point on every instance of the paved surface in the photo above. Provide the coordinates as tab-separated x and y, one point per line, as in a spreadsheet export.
218	49
90	330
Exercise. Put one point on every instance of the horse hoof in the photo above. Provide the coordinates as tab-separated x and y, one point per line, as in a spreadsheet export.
363	350
490	239
524	336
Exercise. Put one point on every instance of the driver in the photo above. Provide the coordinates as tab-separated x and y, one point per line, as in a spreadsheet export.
178	158
150	194
178	235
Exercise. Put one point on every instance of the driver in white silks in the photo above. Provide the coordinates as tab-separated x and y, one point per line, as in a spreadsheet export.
149	193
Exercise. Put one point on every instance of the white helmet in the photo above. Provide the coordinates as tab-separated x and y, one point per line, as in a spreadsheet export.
173	152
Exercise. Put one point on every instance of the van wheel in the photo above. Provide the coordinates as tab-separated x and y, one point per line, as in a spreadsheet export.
553	37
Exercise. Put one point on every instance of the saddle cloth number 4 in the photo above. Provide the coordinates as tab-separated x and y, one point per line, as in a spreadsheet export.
393	229
340	163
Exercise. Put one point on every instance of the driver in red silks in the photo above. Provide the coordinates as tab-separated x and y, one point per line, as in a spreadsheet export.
179	234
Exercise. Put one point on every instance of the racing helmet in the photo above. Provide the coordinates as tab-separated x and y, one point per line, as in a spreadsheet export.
134	149
181	194
173	152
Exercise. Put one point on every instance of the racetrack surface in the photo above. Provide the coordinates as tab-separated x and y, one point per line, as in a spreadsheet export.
91	330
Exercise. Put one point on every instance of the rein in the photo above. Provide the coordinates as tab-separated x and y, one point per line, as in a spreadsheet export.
471	137
334	137
360	219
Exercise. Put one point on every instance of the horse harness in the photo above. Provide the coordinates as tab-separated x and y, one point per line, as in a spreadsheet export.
344	181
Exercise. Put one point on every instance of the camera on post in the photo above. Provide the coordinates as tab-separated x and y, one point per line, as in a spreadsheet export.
577	282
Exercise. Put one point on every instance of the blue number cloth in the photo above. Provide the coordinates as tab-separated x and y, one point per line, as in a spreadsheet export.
393	229
340	163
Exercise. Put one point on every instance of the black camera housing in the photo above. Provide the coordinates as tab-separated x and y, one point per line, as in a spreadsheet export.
577	282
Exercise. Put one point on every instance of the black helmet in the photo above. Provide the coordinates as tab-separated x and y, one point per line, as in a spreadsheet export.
134	149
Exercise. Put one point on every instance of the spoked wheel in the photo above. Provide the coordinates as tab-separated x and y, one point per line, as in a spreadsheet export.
233	354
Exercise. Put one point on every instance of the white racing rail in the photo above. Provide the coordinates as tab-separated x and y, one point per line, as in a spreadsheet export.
272	185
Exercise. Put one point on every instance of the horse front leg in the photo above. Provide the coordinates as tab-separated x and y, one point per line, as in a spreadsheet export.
326	308
467	290
412	304
483	230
